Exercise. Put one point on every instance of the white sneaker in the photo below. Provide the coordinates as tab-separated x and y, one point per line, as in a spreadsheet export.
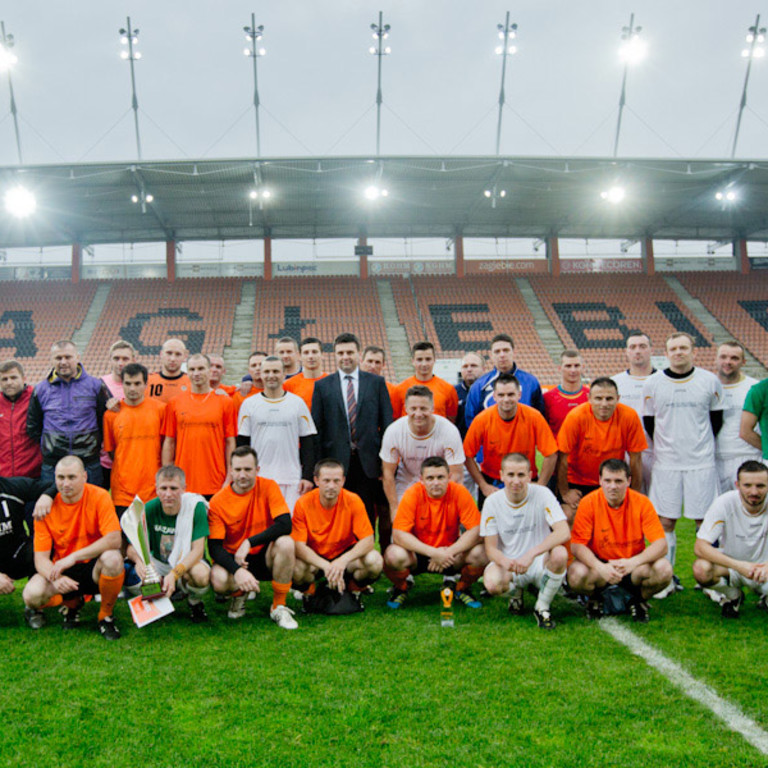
282	615
714	595
237	607
666	592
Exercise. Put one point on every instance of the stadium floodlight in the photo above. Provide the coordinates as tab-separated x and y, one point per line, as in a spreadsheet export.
755	38
263	194
374	192
20	202
7	60
494	195
380	34
727	195
507	32
614	195
253	35
633	49
130	38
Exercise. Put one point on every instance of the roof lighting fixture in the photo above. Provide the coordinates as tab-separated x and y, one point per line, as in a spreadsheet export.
20	202
614	195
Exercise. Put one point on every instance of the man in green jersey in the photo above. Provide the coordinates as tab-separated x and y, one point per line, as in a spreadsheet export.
177	523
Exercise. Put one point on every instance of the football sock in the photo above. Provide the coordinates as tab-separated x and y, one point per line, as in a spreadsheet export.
398	578
109	589
469	575
54	601
671	546
280	592
550	583
195	593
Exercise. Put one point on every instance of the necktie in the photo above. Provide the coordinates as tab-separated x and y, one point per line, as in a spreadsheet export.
351	410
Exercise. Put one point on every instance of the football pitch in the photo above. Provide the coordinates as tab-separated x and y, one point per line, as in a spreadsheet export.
385	688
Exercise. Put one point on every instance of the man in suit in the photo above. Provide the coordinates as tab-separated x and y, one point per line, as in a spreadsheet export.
351	409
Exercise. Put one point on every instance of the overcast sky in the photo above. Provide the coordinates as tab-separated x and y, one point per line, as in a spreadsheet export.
318	81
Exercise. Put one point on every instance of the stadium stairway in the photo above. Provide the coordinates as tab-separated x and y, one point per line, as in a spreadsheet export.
753	366
396	336
236	354
82	336
541	324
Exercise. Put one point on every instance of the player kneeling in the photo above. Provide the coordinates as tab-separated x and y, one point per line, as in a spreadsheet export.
608	539
333	535
83	532
177	523
525	530
739	521
425	535
250	539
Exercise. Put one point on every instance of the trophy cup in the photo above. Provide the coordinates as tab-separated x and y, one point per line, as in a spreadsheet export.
446	611
134	525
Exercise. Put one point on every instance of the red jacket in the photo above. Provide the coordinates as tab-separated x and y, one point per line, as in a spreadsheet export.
20	456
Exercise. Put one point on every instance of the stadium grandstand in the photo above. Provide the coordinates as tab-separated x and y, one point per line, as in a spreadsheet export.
547	301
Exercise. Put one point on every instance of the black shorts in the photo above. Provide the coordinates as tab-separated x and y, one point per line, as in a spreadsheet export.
22	564
422	566
257	565
82	573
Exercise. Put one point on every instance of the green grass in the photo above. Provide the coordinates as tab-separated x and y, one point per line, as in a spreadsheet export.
378	688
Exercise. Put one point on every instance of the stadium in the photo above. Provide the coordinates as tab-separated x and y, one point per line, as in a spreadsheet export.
231	254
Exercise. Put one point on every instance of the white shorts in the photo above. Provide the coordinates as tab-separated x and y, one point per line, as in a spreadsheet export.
726	472
470	484
532	577
735	579
290	494
675	492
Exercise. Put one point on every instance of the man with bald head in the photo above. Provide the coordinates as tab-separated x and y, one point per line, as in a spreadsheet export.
200	430
66	412
77	552
170	380
218	369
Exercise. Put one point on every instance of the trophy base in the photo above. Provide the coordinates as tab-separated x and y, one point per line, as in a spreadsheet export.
151	591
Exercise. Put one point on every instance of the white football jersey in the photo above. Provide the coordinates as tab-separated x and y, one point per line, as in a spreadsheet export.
682	437
631	394
520	526
728	444
400	446
742	536
274	428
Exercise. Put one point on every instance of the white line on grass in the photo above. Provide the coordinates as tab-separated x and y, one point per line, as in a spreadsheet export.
730	714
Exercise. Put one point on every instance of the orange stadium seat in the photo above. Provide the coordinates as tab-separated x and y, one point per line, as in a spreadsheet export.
37	313
593	313
738	302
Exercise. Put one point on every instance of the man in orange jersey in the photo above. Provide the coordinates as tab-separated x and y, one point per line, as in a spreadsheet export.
608	539
445	396
303	383
600	429
333	535
200	430
508	427
287	350
170	380
132	436
426	535
251	383
250	539
83	533
218	369
570	392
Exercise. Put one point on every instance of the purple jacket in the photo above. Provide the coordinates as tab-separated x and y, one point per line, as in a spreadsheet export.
66	416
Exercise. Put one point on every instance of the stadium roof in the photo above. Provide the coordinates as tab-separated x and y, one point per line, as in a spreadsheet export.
323	197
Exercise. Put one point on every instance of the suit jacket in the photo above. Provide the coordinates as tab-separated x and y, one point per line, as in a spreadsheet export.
374	415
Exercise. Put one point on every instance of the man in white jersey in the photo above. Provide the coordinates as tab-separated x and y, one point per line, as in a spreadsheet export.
738	521
630	384
683	413
730	450
413	438
279	427
524	531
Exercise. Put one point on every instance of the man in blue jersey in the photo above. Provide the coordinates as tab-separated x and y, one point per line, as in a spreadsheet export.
480	395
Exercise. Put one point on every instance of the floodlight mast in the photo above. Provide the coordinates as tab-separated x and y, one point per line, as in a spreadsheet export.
7	44
254	34
628	35
755	38
380	34
129	37
507	32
